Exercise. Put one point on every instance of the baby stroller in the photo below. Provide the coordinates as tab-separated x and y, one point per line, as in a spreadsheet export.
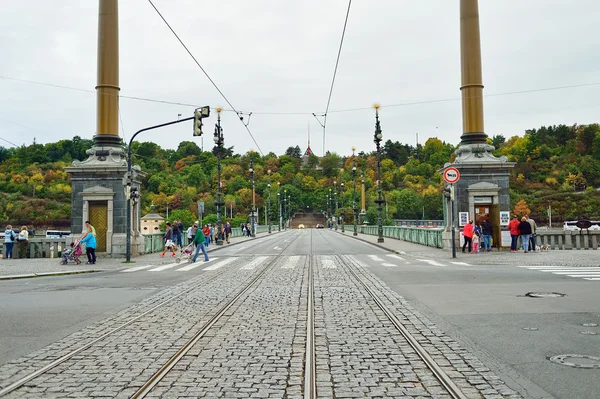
186	253
72	254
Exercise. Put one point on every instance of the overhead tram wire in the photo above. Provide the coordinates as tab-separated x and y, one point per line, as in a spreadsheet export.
205	73
337	61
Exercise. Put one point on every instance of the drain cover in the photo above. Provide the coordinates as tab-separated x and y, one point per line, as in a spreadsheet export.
545	294
590	325
578	361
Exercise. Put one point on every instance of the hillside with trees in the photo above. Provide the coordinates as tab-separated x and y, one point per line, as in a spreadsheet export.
555	165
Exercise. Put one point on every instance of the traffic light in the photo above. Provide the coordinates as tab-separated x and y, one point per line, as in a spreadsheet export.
199	114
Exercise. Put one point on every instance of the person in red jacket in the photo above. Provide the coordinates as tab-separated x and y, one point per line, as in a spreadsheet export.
468	234
513	226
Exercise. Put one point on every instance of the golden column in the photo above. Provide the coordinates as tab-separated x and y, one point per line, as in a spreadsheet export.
107	89
472	82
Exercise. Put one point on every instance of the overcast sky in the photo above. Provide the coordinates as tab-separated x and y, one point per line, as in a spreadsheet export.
274	57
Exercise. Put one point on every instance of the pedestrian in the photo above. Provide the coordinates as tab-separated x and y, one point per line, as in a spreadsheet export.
525	231
88	228
9	242
533	231
468	236
227	232
90	247
169	244
200	240
22	242
513	227
176	232
206	232
486	231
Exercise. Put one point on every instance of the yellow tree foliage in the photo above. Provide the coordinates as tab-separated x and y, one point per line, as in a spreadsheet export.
521	209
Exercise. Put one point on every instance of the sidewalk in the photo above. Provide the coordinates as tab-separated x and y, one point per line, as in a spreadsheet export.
572	258
39	267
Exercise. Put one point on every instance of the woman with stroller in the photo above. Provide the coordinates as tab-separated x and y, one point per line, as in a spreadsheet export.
90	247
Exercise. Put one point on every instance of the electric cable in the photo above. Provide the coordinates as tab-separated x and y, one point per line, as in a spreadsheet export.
337	61
205	73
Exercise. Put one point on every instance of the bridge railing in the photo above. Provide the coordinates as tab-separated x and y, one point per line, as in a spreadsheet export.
423	236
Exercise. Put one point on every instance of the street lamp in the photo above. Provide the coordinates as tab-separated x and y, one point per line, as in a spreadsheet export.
269	200
219	142
354	207
278	208
377	139
336	203
253	211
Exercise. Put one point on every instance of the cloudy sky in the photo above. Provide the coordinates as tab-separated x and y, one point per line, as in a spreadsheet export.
275	58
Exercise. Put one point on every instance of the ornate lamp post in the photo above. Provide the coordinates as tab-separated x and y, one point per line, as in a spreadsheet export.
278	208
219	142
336	203
253	211
377	139
354	207
269	200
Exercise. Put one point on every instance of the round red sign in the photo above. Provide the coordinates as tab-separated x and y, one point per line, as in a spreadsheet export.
451	175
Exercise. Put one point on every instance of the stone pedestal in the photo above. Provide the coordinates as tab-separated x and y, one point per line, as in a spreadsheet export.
483	184
100	195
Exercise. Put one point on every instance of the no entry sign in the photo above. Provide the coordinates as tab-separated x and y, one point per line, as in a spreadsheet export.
451	175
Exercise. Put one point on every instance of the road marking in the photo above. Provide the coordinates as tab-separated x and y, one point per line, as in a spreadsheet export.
254	263
375	258
220	264
291	262
396	257
163	267
432	262
388	264
135	269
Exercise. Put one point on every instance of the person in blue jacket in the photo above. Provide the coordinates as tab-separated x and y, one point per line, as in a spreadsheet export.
90	247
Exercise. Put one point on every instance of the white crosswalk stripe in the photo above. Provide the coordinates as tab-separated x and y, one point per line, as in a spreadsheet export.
254	263
585	273
291	262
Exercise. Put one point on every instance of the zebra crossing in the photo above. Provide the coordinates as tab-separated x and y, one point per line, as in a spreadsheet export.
290	262
586	273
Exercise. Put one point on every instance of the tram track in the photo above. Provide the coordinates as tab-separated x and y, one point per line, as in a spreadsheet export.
62	359
444	379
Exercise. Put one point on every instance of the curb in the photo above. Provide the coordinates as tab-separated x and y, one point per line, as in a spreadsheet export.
45	274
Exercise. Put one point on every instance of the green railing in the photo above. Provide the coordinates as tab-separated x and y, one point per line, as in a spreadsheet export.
423	236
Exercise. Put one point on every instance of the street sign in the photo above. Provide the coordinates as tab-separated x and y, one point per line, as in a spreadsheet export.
451	175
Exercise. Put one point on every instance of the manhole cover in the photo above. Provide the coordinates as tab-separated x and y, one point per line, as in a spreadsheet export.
530	328
588	333
545	294
590	325
578	361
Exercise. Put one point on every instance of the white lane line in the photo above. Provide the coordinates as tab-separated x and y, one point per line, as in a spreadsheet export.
220	264
375	258
328	264
396	257
163	267
193	265
254	263
388	264
461	263
135	269
432	262
291	262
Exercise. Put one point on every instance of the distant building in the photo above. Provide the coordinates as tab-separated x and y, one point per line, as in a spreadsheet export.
151	222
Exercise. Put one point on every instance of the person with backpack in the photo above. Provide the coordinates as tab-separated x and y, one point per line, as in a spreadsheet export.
9	242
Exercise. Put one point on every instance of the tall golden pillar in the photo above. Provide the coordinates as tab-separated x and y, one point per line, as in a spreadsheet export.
472	81
107	88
